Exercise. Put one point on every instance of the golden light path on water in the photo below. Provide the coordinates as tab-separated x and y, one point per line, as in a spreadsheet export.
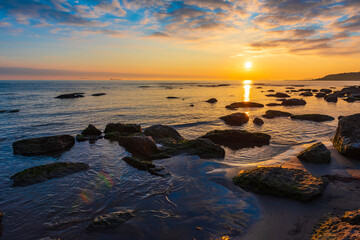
247	87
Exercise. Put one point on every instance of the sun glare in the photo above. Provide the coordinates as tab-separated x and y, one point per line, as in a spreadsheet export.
248	65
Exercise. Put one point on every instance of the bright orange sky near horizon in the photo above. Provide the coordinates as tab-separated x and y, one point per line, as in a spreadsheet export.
178	40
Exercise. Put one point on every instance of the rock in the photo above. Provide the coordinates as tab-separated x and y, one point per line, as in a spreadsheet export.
235	119
158	132
326	91
317	153
141	146
320	95
43	145
45	172
281	182
346	227
212	100
331	98
114	130
172	97
91	130
191	105
271	90
305	90
98	94
204	148
70	95
306	94
289	88
278	95
1	216
313	117
275	114
10	111
110	220
273	104
236	105
258	121
139	163
315	90
237	139
347	136
293	102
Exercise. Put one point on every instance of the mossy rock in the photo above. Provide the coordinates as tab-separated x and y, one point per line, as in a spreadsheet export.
110	220
281	182
158	132
316	153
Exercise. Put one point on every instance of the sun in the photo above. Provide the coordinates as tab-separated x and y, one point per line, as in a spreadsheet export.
248	65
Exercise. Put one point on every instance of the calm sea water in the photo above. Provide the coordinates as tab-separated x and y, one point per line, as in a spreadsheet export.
197	194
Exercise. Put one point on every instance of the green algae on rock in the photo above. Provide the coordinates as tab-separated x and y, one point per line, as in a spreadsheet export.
316	153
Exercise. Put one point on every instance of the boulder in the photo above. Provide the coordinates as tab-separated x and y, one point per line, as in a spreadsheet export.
91	130
317	153
320	95
306	94
293	102
282	182
98	94
347	136
45	172
70	95
237	139
43	145
346	227
158	132
235	119
140	145
313	117
212	100
236	105
114	130
258	121
275	114
331	98
278	95
110	220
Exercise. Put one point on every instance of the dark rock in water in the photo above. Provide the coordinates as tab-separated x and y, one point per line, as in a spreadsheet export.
114	130
212	100
289	88
258	121
280	99
340	117
45	172
352	99
172	97
236	105
313	117
1	217
273	104
271	90
293	90
110	220
91	130
235	119
305	90
326	91
281	182
141	146
315	90
98	94
70	95
10	111
347	136
317	153
320	95
191	105
259	88
278	95
293	102
145	166
91	138
346	227
158	132
331	98
306	94
275	114
237	139
43	145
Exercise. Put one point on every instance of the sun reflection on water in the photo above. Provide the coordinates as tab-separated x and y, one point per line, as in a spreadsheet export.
247	87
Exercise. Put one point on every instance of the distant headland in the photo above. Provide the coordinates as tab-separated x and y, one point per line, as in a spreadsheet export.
351	76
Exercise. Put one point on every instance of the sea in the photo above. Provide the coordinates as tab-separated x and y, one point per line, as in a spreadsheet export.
196	201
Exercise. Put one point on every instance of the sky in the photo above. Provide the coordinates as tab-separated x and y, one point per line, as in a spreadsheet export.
178	40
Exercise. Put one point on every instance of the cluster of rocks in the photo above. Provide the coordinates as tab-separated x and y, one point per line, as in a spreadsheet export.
77	95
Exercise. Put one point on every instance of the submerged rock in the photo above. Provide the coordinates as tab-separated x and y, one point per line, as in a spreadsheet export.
258	121
236	139
110	220
347	136
281	182
144	165
70	95
346	227
278	95
313	117
45	172
140	145
293	102
212	100
273	104
115	130
43	145
158	132
235	119
331	98
317	153
98	94
320	95
306	94
326	91
244	105
275	114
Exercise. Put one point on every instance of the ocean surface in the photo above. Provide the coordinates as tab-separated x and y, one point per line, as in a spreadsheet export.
198	193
